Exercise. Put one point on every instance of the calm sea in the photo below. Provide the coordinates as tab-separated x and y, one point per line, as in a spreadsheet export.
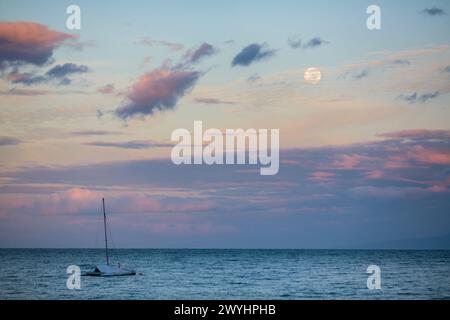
227	274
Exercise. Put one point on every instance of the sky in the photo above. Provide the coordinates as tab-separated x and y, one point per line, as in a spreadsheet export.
88	113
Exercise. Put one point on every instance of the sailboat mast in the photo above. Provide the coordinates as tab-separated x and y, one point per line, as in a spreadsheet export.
106	237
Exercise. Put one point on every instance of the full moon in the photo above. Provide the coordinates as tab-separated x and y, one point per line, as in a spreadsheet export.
312	75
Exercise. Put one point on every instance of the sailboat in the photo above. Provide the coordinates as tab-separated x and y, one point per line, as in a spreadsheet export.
109	270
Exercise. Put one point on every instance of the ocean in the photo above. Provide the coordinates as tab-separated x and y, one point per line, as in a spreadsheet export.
227	274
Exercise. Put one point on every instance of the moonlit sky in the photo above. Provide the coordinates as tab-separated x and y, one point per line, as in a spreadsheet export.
86	114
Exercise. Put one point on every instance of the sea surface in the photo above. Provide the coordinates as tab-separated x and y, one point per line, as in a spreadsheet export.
227	274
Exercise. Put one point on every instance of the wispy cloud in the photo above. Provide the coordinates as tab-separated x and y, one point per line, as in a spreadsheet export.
25	78
107	89
321	176
355	74
197	54
24	92
137	144
252	53
419	98
253	78
314	43
9	141
418	134
79	45
62	70
392	63
402	62
37	92
58	74
212	101
361	74
94	133
295	42
152	42
434	11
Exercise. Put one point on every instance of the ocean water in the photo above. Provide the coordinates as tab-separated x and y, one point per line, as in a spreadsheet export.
227	274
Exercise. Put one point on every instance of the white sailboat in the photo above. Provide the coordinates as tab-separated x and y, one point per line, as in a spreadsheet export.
108	270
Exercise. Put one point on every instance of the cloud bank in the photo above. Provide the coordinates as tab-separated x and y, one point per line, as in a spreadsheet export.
329	193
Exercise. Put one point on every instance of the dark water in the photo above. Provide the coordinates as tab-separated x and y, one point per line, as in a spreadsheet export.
228	274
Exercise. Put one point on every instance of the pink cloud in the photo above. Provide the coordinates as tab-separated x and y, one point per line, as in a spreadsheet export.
397	162
429	156
144	203
107	89
71	201
157	90
417	155
374	174
86	201
418	134
438	188
348	162
320	176
290	162
29	42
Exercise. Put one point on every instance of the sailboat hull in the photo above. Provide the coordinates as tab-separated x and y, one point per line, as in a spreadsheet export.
101	274
110	271
107	270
